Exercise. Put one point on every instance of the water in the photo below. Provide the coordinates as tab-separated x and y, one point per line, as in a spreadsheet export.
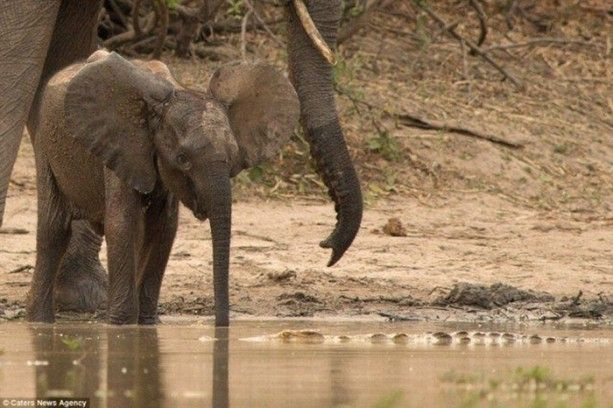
181	365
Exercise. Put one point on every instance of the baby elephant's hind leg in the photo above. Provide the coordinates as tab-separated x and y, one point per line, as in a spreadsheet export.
160	231
82	282
53	234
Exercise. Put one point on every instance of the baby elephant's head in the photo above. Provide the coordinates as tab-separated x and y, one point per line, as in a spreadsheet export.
146	127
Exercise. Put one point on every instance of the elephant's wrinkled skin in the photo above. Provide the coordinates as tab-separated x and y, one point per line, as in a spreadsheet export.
37	38
118	144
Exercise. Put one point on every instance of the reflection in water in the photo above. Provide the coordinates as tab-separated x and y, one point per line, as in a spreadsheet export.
133	368
71	362
178	366
341	395
220	368
67	361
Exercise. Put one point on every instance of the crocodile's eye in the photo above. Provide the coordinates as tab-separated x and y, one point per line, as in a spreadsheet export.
183	162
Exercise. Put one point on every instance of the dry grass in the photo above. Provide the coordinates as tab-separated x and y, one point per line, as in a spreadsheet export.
401	62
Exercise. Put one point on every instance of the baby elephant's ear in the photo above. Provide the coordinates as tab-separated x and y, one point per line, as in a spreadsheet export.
262	107
106	107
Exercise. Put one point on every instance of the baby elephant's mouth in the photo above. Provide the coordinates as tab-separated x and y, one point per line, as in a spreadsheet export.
198	211
200	215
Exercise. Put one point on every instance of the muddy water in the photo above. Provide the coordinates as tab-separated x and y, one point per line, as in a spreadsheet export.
192	365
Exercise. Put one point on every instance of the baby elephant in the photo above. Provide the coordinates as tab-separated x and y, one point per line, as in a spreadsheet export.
120	143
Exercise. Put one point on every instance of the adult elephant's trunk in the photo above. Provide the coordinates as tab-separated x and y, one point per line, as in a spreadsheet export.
25	32
311	75
218	202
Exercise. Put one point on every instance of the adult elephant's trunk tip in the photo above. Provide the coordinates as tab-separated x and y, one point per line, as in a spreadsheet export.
348	205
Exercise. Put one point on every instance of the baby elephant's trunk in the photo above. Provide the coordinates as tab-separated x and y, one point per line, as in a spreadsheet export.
218	196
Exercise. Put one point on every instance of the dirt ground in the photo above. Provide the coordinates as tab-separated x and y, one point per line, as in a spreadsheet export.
278	269
491	231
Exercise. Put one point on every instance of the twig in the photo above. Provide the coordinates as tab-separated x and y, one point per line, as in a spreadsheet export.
482	24
22	269
538	41
243	35
162	10
465	65
576	299
122	17
260	20
353	26
127	36
13	231
411	120
509	14
451	30
135	21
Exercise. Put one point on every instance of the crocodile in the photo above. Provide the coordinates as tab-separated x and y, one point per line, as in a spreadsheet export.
439	338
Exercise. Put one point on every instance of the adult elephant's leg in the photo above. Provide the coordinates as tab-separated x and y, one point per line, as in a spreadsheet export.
311	75
81	283
25	33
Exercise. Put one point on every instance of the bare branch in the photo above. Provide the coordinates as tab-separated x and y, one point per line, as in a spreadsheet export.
162	10
135	20
451	30
263	23
476	4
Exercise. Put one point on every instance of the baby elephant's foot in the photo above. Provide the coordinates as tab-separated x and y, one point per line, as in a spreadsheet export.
149	319
81	287
39	312
121	316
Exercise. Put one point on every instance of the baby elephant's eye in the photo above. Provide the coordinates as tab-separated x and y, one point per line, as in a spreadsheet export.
183	161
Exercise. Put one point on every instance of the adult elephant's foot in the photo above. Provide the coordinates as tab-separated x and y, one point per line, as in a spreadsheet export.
81	285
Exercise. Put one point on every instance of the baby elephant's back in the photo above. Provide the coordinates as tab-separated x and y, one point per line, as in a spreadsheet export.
78	174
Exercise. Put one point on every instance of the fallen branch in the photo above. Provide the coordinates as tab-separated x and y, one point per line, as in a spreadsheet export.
24	268
13	231
451	30
411	120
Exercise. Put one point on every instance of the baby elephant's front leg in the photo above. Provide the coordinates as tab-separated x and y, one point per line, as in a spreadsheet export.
121	227
159	234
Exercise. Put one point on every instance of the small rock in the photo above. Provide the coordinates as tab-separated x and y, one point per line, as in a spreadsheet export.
394	228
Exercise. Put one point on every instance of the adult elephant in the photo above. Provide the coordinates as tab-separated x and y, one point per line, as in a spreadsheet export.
39	37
